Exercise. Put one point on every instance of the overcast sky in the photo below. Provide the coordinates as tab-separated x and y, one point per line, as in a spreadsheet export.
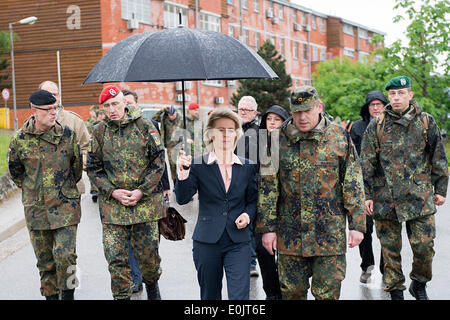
376	14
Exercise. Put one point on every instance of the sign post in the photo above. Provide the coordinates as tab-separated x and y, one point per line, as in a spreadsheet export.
5	95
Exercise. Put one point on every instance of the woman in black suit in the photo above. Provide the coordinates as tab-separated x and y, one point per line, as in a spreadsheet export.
226	186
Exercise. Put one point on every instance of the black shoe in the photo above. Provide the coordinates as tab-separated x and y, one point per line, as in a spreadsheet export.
397	295
136	287
94	198
67	294
152	291
52	297
417	290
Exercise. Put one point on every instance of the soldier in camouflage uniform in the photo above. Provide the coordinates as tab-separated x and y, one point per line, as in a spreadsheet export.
171	124
92	119
126	163
405	176
195	128
306	197
44	160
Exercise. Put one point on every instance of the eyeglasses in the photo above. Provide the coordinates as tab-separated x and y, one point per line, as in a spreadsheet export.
54	108
376	105
245	110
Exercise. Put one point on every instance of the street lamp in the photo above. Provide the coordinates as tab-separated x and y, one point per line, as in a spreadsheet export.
29	20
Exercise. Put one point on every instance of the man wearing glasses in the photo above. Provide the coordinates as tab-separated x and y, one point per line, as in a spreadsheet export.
126	163
374	106
73	121
247	147
44	160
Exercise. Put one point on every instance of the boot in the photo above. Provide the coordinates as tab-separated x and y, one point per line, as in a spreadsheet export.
52	297
397	295
417	290
152	291
67	294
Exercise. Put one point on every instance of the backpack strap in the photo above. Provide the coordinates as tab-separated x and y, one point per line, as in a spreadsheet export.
425	120
380	131
100	134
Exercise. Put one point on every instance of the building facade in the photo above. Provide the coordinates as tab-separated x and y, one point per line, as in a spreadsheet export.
82	31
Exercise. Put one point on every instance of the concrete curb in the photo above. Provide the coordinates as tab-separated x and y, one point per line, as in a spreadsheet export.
6	186
8	189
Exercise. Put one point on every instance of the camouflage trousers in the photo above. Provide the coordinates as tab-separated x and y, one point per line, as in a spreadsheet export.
327	273
144	241
421	233
55	252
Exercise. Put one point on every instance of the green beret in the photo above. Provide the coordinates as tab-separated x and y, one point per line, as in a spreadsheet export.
304	98
398	83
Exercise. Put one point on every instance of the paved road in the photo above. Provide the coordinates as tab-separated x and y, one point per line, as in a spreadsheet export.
19	278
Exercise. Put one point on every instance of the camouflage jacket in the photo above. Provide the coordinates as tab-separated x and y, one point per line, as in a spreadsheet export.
317	186
121	157
195	129
169	128
408	171
47	166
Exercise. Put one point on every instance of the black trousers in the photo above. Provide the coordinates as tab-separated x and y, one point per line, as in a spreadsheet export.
365	248
269	269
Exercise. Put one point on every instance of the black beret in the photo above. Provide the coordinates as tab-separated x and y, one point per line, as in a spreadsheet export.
42	98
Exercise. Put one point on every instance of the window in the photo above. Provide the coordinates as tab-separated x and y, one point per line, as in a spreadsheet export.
363	34
305	52
295	50
294	15
136	9
171	19
349	52
282	46
348	29
323	54
245	36
272	40
230	30
244	4
313	22
256	5
209	22
322	24
257	44
363	57
230	2
281	12
315	54
213	83
304	19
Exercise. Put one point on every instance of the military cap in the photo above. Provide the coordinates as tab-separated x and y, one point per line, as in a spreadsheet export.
171	110
193	106
108	92
304	98
42	98
398	83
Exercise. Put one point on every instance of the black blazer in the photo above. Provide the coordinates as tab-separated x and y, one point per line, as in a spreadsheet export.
219	209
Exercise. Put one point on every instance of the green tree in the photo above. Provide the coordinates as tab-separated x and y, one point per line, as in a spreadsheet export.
267	92
425	57
343	84
4	49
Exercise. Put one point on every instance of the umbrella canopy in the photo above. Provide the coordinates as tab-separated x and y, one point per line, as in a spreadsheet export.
179	54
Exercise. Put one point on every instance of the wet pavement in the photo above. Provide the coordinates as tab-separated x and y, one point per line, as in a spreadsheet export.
19	277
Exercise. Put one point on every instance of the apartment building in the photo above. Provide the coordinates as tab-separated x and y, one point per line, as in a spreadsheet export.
82	31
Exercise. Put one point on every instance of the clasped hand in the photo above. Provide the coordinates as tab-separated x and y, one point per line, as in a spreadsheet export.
126	197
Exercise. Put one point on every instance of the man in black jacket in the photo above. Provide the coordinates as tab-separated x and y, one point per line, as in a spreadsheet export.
375	102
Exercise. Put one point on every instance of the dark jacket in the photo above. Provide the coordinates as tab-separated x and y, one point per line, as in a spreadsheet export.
219	209
359	127
247	145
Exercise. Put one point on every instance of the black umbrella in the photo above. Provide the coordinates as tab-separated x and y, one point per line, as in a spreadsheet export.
179	54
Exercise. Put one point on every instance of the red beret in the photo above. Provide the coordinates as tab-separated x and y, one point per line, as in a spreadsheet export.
193	106
108	92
